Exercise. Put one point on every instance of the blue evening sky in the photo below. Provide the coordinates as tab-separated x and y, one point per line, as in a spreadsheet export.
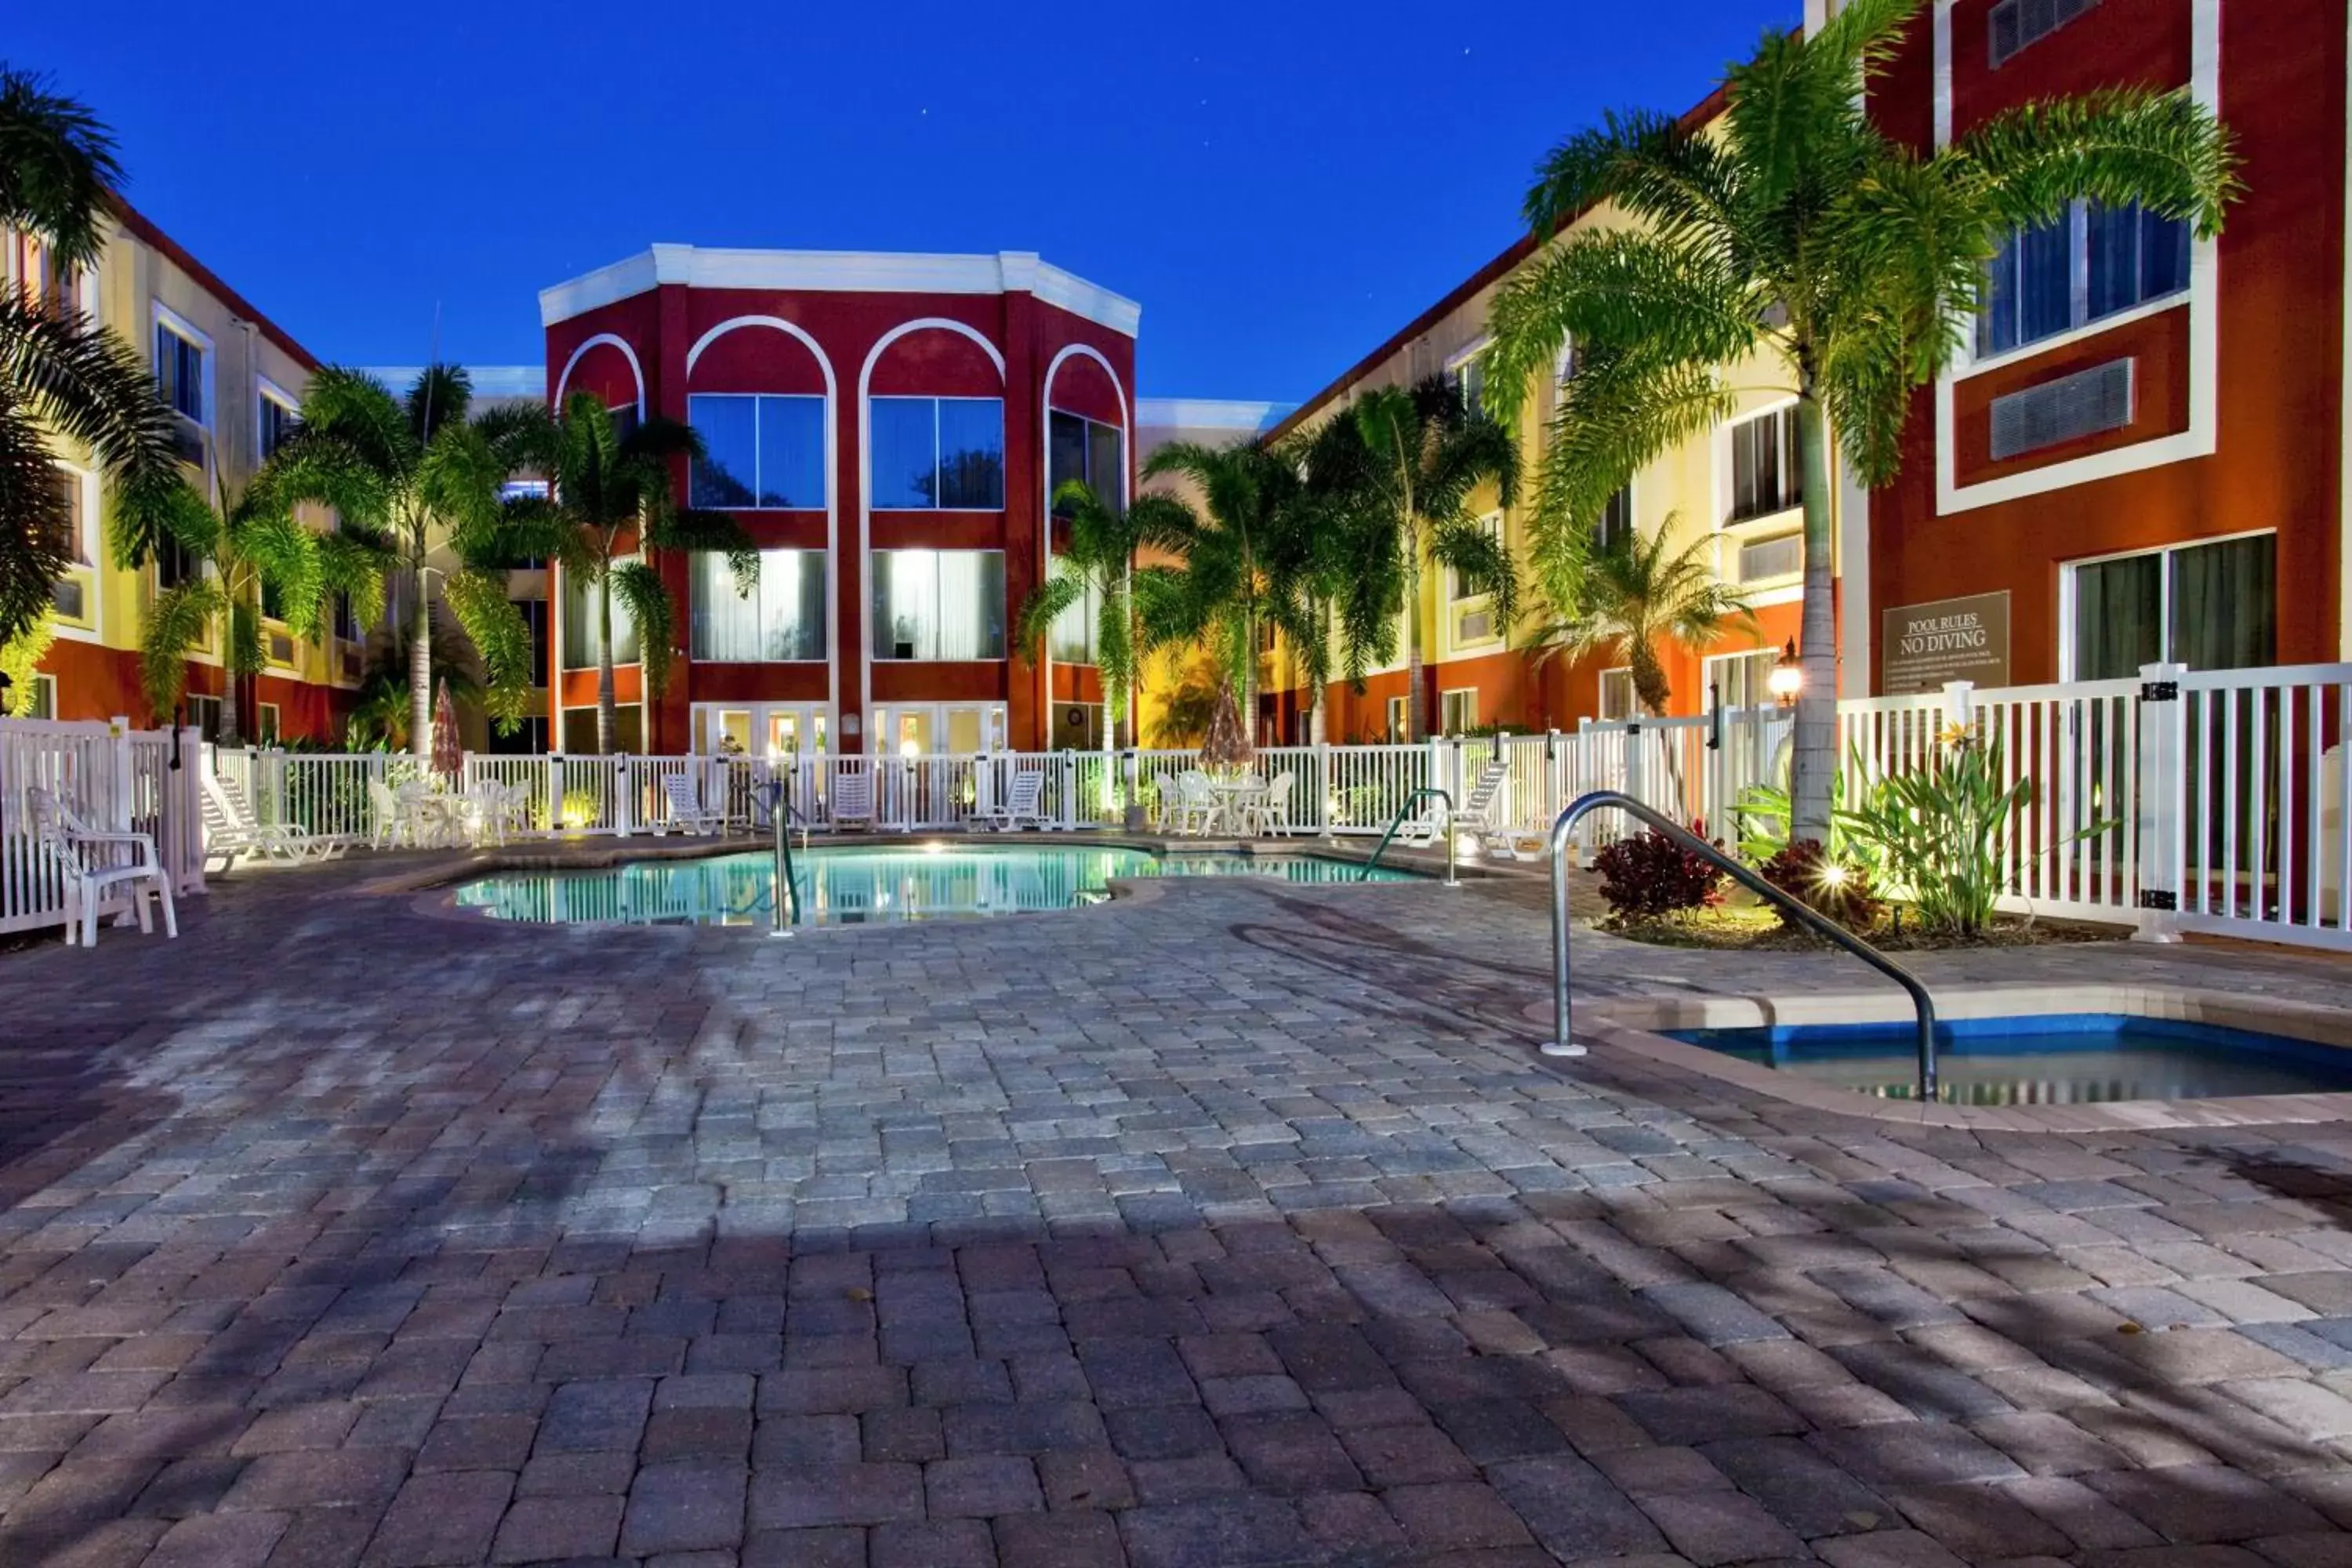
1282	183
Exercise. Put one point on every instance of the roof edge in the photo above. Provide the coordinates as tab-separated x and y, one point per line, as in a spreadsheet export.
147	232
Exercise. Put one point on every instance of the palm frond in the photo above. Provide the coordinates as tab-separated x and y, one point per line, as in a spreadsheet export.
177	624
2162	149
35	524
639	590
438	400
56	163
20	660
501	636
1617	415
356	568
90	387
1063	589
285	555
1648	163
714	532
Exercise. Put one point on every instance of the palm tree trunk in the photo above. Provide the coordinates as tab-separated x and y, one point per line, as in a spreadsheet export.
607	707
1413	713
1815	761
420	671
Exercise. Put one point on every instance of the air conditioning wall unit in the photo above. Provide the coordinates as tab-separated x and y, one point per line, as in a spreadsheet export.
281	647
1768	558
1475	625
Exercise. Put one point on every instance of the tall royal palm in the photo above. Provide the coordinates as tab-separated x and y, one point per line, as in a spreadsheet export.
1797	248
613	496
1099	562
1429	452
64	378
1339	570
416	485
1635	594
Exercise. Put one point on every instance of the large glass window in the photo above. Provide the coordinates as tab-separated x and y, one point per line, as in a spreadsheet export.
2089	265
583	629
939	604
2208	607
277	419
760	453
1767	474
1089	452
1740	680
780	621
1072	640
937	453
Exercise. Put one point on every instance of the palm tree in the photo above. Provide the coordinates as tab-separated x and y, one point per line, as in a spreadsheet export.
1803	250
409	482
380	712
1338	573
1219	596
62	374
1635	594
610	495
1100	560
1429	452
241	553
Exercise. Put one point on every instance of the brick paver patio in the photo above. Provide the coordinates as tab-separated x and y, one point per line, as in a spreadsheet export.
1238	1226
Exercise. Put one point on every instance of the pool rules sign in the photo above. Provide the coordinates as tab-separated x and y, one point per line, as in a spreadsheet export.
1924	645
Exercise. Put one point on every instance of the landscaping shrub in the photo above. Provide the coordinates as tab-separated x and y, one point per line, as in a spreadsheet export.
1843	892
1650	876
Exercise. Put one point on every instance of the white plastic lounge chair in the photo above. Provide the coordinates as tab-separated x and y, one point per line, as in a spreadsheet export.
231	830
1020	806
90	863
852	801
686	810
1422	831
1481	815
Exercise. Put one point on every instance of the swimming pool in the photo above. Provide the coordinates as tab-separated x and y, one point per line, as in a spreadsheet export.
863	886
2045	1059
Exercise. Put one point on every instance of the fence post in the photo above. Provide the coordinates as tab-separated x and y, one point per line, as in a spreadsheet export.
1633	761
556	791
2161	811
624	775
1960	706
1323	787
188	811
117	806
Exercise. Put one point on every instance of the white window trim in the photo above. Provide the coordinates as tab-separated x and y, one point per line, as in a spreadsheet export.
183	327
824	410
1469	691
2067	578
2202	297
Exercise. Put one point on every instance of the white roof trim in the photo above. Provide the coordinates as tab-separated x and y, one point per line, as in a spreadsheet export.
1207	414
840	272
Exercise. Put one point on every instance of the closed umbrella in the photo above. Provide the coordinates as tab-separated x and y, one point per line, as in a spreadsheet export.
449	759
1228	748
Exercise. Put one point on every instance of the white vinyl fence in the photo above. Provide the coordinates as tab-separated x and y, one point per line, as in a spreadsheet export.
113	778
2179	802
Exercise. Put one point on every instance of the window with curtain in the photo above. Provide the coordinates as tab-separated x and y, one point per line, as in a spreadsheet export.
781	621
581	629
2091	263
2208	607
944	453
1767	474
939	604
760	452
1072	640
1616	695
180	372
1089	451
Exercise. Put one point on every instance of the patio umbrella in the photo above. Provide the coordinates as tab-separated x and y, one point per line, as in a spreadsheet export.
1228	745
448	758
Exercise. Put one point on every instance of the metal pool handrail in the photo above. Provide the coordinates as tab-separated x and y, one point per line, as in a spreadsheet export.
780	814
1811	919
1397	821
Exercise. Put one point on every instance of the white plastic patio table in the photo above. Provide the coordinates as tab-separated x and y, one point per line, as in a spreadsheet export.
1238	803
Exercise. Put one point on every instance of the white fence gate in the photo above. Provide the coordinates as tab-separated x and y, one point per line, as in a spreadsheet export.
115	779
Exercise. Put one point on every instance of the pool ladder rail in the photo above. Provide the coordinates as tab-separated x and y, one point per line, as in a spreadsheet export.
780	814
1396	822
1561	1044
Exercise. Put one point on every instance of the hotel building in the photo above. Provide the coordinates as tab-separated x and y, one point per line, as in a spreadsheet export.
233	380
889	428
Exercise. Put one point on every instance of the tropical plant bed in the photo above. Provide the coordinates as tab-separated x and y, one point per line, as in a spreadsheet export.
1753	927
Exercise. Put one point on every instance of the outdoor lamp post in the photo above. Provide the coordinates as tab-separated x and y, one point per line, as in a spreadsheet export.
1788	675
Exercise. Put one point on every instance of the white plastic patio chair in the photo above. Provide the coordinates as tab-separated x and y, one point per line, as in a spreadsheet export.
1274	806
686	808
389	826
852	801
89	863
1019	808
1198	810
231	830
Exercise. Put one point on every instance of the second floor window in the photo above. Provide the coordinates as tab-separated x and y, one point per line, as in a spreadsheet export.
939	604
2091	263
1766	473
180	372
937	453
758	453
583	627
277	419
1614	529
1470	375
